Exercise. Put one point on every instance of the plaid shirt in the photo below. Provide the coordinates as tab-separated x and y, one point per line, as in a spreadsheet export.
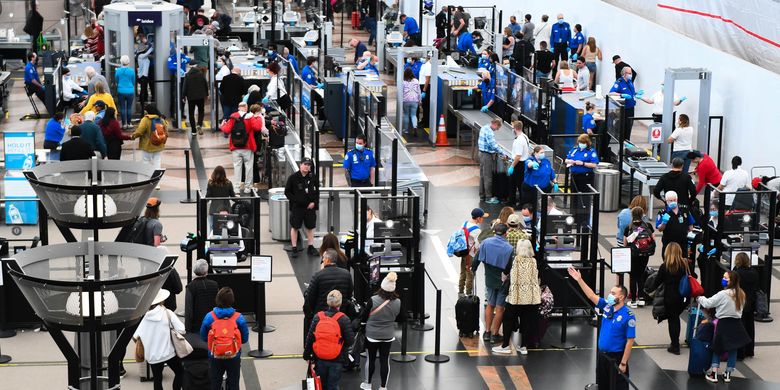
487	140
513	235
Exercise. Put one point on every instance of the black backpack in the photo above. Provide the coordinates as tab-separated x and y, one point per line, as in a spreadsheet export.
137	234
238	134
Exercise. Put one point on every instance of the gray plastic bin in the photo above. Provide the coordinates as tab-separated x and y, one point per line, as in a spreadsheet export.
279	214
607	183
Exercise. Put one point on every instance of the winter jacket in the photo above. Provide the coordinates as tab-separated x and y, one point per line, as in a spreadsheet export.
678	182
347	336
154	332
232	89
672	301
330	278
143	131
195	85
224	312
250	125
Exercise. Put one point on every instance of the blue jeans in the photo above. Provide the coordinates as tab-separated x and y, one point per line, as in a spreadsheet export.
410	117
683	154
227	110
126	107
730	364
218	367
540	75
330	373
370	23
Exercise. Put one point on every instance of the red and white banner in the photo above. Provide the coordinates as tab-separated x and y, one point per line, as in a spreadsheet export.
744	28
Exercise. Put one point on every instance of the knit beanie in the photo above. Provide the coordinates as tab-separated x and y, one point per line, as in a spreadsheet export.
388	283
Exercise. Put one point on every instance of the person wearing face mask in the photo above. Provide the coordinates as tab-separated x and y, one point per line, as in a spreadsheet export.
72	93
425	87
143	52
636	237
749	281
309	73
484	61
624	88
538	173
674	268
616	334
582	159
488	150
560	35
242	145
359	164
466	41
487	90
731	335
675	222
414	64
682	139
222	69
657	100
521	150
527	213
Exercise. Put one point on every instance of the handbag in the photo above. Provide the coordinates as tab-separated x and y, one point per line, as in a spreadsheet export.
312	381
180	344
139	351
696	288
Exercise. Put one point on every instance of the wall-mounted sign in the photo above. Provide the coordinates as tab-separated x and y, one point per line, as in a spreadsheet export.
144	18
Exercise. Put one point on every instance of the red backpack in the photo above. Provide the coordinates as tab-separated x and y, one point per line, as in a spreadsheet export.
327	336
224	340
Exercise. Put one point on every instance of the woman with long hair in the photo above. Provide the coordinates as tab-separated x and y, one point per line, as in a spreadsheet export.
639	228
412	96
682	139
380	314
219	186
591	53
730	335
331	241
523	298
112	134
624	217
748	281
674	268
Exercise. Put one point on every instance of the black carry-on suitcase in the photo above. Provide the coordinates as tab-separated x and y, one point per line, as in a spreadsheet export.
467	313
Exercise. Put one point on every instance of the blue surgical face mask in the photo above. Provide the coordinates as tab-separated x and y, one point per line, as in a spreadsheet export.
359	147
724	282
611	300
560	21
527	219
672	205
484	56
581	145
714	213
541	156
408	60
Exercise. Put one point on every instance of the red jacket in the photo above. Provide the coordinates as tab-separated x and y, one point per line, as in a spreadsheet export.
707	172
252	125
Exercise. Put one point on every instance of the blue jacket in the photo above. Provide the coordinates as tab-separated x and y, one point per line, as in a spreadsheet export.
588	123
622	86
577	40
410	26
587	155
31	73
54	131
415	66
539	177
226	312
359	163
560	33
488	91
308	76
466	42
125	80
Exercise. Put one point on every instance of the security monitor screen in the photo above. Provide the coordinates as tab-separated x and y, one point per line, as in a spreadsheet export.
502	82
516	93
530	108
614	123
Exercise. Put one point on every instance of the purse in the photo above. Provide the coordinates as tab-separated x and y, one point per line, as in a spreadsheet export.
139	351
312	381
180	344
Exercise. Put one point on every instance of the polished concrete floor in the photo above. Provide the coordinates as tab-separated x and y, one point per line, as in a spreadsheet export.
454	177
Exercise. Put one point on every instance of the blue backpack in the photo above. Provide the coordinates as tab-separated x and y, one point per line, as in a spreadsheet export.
458	245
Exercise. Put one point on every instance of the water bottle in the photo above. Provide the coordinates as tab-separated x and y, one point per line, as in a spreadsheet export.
14	214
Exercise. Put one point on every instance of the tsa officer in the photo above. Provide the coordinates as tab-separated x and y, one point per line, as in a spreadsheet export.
624	88
309	73
616	334
411	30
582	159
560	36
488	91
360	164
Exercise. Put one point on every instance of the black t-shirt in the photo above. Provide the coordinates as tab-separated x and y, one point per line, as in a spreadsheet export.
619	69
677	228
544	59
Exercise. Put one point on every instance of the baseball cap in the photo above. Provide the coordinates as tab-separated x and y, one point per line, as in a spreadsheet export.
307	160
153	202
100	103
513	220
479	213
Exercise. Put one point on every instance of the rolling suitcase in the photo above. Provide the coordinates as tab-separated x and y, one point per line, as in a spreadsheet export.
700	356
355	20
693	318
467	314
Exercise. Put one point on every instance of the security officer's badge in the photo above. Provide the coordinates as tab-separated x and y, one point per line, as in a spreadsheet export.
680	219
354	158
619	318
594	154
616	85
632	323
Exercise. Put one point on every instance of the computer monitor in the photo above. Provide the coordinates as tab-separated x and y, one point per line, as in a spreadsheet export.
226	223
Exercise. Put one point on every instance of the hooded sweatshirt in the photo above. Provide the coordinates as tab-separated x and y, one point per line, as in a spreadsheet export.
224	312
678	182
154	332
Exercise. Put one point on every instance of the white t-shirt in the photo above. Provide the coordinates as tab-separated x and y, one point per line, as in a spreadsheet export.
583	79
473	237
732	180
425	71
683	138
658	102
521	147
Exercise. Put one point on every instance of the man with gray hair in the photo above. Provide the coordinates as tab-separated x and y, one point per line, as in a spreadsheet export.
92	134
330	277
326	346
93	78
675	222
199	296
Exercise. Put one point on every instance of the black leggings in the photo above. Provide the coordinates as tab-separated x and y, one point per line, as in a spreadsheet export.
638	266
175	365
528	315
384	361
192	104
674	326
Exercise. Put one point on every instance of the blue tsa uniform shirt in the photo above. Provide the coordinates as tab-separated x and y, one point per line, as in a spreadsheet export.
415	67
308	75
359	163
30	73
587	155
560	33
588	123
624	87
488	90
466	42
577	40
293	62
617	326
410	26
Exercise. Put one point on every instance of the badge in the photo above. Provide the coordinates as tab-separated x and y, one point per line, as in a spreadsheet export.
680	219
354	158
619	318
632	323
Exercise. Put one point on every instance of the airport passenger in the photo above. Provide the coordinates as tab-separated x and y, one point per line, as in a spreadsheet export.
496	253
523	296
226	327
199	296
380	314
640	238
154	332
488	152
327	346
302	192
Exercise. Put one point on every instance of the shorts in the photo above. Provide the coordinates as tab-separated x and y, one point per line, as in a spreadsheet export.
302	216
495	297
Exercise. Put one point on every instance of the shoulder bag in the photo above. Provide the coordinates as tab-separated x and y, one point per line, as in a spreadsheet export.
180	344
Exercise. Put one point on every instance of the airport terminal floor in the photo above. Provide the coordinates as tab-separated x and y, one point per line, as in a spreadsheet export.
565	358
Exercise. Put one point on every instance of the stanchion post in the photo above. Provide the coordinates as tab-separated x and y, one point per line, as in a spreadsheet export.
403	357
420	325
260	318
4	358
4	333
188	199
437	357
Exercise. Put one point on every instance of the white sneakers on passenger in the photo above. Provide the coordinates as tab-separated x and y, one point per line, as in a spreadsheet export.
365	386
523	350
502	350
632	304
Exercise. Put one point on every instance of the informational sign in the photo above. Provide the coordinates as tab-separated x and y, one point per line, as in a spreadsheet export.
621	260
19	150
21	208
655	133
144	18
373	265
262	268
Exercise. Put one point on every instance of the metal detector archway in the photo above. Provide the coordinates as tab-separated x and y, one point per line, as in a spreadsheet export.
705	86
197	39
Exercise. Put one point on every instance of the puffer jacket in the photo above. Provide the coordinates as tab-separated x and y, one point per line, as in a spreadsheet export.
659	306
330	278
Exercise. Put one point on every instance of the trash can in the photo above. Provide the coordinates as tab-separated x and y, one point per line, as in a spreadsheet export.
607	183
279	213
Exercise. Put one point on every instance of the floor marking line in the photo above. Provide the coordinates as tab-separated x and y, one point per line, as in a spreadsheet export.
438	246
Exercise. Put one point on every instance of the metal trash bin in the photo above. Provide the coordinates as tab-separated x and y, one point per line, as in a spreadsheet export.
607	183
279	214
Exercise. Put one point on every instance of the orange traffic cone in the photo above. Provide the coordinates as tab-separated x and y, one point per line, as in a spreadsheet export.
441	133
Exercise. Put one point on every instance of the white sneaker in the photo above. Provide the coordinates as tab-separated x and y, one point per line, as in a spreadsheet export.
641	303
365	386
523	351
502	350
632	304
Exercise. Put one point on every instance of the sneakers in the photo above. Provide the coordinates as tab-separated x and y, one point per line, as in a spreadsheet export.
200	130
712	375
365	386
496	338
502	350
727	376
294	252
313	251
632	304
486	336
493	200
523	350
641	302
